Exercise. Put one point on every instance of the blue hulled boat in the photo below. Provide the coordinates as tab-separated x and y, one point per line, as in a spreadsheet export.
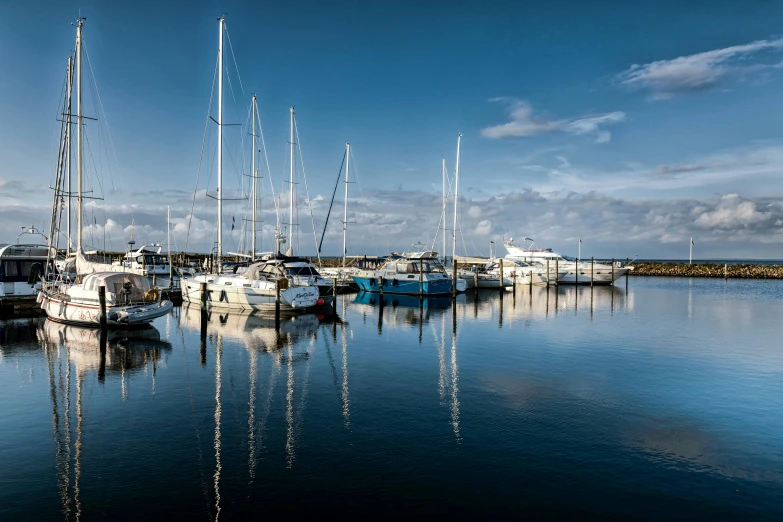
419	273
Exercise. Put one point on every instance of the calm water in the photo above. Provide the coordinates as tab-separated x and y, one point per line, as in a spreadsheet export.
665	401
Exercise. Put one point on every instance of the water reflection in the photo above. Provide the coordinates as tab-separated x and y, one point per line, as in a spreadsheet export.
72	353
269	419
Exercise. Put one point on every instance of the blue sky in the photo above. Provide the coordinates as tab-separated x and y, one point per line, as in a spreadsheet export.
631	125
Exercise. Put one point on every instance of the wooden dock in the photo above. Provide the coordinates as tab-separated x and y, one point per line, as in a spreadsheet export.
25	306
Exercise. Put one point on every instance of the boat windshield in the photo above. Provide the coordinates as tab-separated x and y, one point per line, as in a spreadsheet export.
568	258
301	271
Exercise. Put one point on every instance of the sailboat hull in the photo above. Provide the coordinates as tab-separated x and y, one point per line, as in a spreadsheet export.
87	314
239	293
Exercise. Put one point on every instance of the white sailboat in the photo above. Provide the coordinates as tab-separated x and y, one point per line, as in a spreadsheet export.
253	289
129	299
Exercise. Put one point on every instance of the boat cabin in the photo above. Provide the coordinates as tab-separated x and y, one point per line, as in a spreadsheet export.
135	286
16	264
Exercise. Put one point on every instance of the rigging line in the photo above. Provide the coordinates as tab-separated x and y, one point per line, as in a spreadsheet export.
201	156
239	77
334	193
307	190
268	170
105	117
358	178
60	115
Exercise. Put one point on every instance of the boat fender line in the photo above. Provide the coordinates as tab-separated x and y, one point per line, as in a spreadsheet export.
62	308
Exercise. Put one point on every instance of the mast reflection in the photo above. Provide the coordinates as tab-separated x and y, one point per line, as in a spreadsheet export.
86	351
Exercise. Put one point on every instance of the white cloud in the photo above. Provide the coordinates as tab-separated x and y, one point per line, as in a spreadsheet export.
732	212
483	228
525	123
695	72
474	212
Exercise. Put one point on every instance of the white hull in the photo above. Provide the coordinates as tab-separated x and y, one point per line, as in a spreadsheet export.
240	293
88	314
605	275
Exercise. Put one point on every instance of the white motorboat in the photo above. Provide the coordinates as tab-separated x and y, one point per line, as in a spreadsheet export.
22	265
147	260
525	273
481	277
576	271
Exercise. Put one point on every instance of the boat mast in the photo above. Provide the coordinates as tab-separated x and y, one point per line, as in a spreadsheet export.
254	109
79	25
443	212
221	22
68	148
291	190
456	201
168	240
345	211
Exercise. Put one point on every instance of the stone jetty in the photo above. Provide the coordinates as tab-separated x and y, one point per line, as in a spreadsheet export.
671	269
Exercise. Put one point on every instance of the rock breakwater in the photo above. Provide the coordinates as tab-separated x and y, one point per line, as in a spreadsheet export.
748	271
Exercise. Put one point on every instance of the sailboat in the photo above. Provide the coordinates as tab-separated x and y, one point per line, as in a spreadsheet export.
128	297
260	286
342	275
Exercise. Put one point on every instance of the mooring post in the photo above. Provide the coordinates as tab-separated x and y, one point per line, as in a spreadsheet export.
454	279
548	275
627	261
334	295
277	305
501	274
557	272
592	271
380	285
725	271
102	302
421	278
612	282
154	278
203	297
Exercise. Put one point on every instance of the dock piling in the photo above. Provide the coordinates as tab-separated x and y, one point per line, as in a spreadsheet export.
454	280
592	271
548	275
102	302
501	274
612	281
421	278
277	305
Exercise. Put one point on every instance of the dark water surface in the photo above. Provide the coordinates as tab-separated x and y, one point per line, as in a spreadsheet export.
666	401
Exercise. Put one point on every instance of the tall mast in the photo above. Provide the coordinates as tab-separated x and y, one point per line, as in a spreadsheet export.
221	21
345	211
255	176
79	134
443	212
291	189
456	202
168	240
68	147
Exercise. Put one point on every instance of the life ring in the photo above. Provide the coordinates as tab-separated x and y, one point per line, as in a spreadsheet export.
152	295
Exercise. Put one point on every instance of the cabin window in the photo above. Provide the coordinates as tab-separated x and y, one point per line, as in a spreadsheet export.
402	268
11	269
